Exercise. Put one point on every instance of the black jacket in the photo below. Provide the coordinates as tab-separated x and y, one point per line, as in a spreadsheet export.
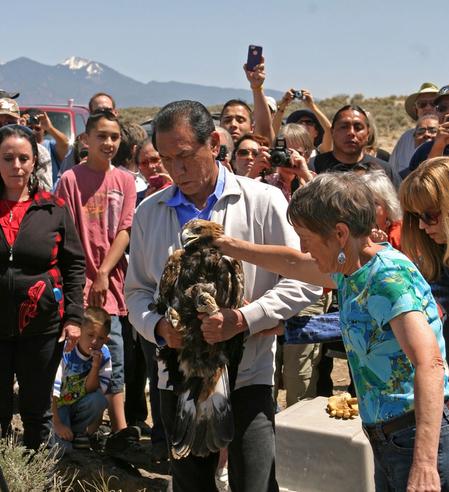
42	276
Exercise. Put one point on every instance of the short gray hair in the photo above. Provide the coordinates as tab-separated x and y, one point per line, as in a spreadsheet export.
228	138
331	198
297	136
383	190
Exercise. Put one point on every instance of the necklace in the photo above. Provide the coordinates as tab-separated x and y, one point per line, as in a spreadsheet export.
11	210
11	214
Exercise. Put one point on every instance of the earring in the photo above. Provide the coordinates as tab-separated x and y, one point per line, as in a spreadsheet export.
341	258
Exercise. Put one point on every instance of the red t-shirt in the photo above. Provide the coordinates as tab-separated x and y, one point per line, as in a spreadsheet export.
102	204
11	215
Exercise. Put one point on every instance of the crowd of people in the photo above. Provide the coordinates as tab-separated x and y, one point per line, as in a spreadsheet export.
327	225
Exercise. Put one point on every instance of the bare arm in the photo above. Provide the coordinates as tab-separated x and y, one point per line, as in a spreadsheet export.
285	261
61	140
440	142
92	382
61	430
282	106
418	341
262	114
98	291
327	144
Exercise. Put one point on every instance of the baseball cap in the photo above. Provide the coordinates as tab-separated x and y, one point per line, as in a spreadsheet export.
10	107
444	91
271	101
10	95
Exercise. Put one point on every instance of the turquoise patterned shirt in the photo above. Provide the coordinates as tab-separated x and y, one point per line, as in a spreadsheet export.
385	287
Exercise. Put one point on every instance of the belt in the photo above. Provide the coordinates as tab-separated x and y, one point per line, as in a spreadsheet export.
383	430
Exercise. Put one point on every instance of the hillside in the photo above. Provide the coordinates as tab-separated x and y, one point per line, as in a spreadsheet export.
389	114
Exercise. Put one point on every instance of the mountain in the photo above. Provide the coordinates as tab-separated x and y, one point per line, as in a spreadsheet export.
79	79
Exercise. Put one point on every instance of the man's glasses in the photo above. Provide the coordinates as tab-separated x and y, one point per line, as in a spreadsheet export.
429	218
431	130
423	104
247	152
442	108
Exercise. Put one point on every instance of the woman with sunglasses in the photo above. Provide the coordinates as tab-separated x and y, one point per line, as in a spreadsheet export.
425	231
244	156
42	275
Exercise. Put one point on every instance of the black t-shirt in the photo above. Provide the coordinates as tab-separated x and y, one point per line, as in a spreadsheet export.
328	162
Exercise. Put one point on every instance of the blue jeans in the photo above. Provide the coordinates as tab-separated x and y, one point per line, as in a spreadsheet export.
82	413
115	346
393	458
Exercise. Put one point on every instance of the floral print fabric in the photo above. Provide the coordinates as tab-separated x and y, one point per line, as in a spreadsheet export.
382	289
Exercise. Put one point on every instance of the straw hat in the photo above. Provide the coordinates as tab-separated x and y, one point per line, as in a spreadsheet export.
426	88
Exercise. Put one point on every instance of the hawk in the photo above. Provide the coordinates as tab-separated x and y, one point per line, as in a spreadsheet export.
200	279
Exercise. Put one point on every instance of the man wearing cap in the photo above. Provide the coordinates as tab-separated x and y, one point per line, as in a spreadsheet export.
416	105
58	147
9	111
10	115
9	95
439	146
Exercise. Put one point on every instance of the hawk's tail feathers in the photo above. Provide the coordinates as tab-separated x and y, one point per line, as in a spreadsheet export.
183	432
208	427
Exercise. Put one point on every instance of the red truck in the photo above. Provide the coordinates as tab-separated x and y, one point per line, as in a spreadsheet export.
69	119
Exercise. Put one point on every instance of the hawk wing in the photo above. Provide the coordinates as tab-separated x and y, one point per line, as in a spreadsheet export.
168	282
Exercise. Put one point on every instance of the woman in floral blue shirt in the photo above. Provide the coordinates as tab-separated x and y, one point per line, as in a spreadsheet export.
390	327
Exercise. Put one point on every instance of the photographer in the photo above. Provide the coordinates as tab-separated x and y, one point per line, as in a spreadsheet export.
58	147
313	119
280	165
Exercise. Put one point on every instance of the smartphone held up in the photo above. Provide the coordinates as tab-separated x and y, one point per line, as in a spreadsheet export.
254	57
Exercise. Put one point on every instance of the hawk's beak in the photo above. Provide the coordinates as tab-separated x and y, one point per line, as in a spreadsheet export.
188	237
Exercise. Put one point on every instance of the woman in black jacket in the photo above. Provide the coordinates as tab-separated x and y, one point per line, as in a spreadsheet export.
42	274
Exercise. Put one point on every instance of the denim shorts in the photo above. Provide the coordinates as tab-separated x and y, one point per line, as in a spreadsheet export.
393	457
115	346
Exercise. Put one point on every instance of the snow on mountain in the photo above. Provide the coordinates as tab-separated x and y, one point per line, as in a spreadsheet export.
77	63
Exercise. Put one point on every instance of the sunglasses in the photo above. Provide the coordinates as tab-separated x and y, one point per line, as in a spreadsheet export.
247	152
442	108
431	130
306	122
428	218
423	104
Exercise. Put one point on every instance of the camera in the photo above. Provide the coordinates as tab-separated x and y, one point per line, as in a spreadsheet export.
298	95
223	152
33	120
280	155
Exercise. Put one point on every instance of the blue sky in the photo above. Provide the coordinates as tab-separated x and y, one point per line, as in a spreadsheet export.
376	47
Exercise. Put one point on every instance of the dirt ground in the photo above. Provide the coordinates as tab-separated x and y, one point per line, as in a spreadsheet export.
154	477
